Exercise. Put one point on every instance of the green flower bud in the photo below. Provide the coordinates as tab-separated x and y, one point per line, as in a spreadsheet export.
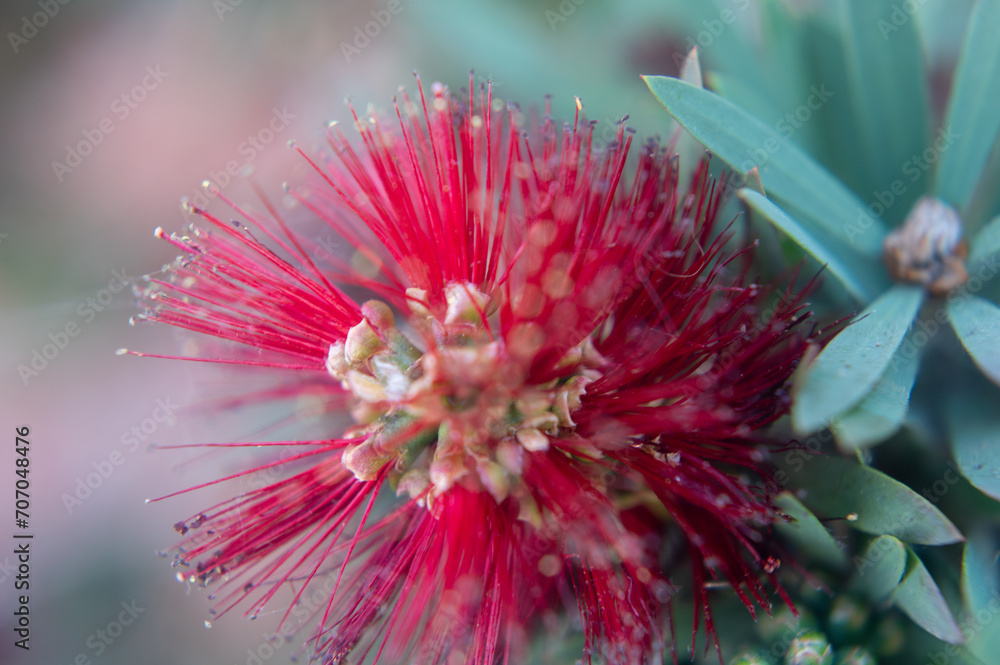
750	658
856	656
809	648
783	625
365	460
532	439
362	343
890	636
847	619
379	315
415	299
465	303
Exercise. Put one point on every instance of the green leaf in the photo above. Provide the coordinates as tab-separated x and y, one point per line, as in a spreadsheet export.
887	86
985	244
689	151
977	323
981	589
972	116
726	46
880	568
753	182
985	202
839	262
974	430
781	43
980	571
921	600
691	69
779	47
881	412
742	142
850	365
839	487
837	126
537	63
753	99
808	533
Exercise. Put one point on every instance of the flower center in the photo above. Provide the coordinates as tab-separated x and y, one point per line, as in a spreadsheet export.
462	411
928	248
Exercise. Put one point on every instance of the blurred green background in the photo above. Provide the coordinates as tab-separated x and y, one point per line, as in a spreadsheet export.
115	109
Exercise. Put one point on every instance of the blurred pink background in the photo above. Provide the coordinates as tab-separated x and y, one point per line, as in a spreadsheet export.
199	79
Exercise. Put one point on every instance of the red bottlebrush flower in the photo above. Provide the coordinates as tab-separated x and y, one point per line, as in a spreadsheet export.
561	367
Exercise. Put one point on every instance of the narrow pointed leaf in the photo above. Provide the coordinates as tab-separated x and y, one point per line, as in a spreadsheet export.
920	599
753	99
601	78
974	430
808	533
850	365
689	151
782	44
836	487
985	244
887	86
733	49
881	412
879	568
980	571
985	202
837	127
981	589
753	182
972	117
789	174
691	69
977	323
850	270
